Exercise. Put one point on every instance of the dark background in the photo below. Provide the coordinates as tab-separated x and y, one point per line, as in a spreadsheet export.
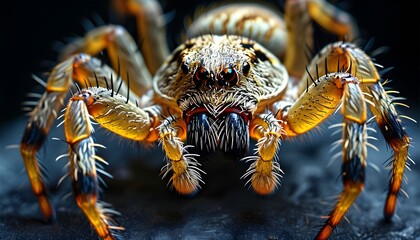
30	29
224	209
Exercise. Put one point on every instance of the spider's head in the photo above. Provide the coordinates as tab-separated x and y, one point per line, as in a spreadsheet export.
220	72
218	82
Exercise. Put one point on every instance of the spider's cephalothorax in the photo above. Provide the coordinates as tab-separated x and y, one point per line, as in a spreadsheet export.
242	74
218	82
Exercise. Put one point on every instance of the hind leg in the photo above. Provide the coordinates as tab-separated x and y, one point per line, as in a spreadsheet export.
151	29
122	51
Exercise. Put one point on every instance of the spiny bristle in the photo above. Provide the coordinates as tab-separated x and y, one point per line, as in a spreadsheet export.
13	146
34	95
408	118
96	157
62	156
62	179
39	80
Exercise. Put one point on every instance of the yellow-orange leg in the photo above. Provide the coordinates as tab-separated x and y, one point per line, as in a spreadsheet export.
340	57
41	119
34	137
332	19
308	111
79	67
82	155
265	171
111	111
151	29
185	169
122	51
396	136
298	14
320	100
354	156
347	57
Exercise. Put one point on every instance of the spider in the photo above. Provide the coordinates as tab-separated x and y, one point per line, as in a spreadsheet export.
240	75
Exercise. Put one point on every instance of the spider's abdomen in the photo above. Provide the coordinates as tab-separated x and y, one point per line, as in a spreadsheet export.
244	19
227	133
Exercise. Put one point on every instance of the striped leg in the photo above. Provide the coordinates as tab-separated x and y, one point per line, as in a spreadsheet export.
83	168
396	136
347	57
34	137
354	156
320	100
79	67
115	113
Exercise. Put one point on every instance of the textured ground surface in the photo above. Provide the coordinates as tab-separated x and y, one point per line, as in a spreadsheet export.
224	209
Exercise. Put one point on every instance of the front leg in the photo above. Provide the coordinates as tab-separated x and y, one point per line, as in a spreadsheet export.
83	167
186	176
313	107
347	57
79	68
113	112
265	171
117	114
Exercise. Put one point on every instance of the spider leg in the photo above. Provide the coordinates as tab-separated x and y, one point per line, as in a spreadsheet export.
298	14
319	100
79	67
265	172
332	19
83	165
395	135
347	57
122	51
151	29
186	176
113	112
353	158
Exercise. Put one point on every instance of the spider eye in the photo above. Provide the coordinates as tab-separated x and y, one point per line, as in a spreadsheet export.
228	77
201	74
245	68
184	68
